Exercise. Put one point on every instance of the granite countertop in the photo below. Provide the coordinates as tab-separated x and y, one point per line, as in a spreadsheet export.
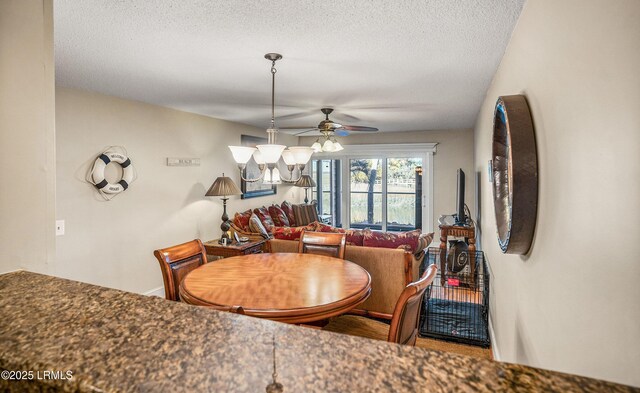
115	341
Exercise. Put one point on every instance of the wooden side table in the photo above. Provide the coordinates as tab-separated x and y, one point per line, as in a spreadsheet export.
457	231
235	249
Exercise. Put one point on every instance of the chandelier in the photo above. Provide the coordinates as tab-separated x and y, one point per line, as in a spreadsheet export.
267	156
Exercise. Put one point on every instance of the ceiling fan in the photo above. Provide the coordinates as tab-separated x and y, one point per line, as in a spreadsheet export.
329	129
329	126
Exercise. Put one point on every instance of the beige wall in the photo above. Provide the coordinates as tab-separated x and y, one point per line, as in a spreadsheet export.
27	133
454	150
572	303
111	243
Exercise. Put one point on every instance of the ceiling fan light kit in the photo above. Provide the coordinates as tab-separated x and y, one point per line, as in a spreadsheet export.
267	155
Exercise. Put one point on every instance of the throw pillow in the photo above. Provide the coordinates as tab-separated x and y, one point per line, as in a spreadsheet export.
255	225
291	233
241	220
305	214
409	241
287	208
265	218
424	241
278	216
355	237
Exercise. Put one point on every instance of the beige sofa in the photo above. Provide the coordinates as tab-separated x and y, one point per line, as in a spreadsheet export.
391	270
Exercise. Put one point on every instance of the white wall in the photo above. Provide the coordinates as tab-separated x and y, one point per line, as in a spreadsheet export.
111	243
454	150
27	133
572	303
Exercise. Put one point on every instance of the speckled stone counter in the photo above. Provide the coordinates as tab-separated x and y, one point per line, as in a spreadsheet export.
116	341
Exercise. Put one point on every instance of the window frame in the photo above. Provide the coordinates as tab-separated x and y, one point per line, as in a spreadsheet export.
425	151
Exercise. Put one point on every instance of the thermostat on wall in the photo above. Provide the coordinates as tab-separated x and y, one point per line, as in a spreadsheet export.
183	161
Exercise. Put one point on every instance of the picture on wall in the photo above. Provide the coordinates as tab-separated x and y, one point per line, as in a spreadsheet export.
255	189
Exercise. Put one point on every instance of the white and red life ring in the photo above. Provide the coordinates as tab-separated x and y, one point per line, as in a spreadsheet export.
97	174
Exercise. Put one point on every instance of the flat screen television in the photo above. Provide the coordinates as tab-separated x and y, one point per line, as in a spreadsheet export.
461	218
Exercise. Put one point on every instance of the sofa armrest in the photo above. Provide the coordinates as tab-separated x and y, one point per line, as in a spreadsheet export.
253	236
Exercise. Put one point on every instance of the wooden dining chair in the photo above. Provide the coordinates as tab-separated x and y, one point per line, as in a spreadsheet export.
405	320
322	243
176	262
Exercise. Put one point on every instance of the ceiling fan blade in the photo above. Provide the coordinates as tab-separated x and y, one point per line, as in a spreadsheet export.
359	128
293	116
342	132
348	117
298	127
305	131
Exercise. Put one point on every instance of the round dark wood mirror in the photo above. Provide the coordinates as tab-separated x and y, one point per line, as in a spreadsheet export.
515	174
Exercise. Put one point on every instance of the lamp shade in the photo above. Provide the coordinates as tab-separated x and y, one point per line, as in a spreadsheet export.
271	153
242	154
305	181
223	186
288	157
302	154
272	177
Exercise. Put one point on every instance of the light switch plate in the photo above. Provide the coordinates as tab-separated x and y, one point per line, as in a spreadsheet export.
59	227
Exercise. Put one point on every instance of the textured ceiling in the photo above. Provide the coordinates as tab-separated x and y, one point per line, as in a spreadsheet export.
395	65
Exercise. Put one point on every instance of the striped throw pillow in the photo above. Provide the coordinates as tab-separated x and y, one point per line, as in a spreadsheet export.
305	214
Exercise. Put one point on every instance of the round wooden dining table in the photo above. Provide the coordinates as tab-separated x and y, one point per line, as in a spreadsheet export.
285	287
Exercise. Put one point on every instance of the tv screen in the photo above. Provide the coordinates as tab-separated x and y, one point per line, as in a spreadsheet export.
460	216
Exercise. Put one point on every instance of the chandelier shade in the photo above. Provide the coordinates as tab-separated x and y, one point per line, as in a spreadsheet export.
242	154
271	153
301	154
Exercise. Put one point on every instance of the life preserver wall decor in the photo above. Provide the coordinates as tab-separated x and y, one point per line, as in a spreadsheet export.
97	178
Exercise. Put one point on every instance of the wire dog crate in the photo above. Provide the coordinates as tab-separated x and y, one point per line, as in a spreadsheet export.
456	304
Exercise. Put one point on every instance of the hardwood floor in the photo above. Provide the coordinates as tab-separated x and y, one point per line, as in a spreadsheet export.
378	330
460	349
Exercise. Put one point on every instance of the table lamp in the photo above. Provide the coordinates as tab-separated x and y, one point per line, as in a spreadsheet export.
305	181
224	186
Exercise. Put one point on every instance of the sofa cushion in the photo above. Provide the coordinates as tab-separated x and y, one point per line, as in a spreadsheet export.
291	233
305	214
265	218
287	208
241	220
412	241
255	225
278	216
320	227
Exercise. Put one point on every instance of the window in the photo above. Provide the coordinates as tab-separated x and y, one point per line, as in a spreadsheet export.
386	187
404	194
383	193
365	188
326	174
